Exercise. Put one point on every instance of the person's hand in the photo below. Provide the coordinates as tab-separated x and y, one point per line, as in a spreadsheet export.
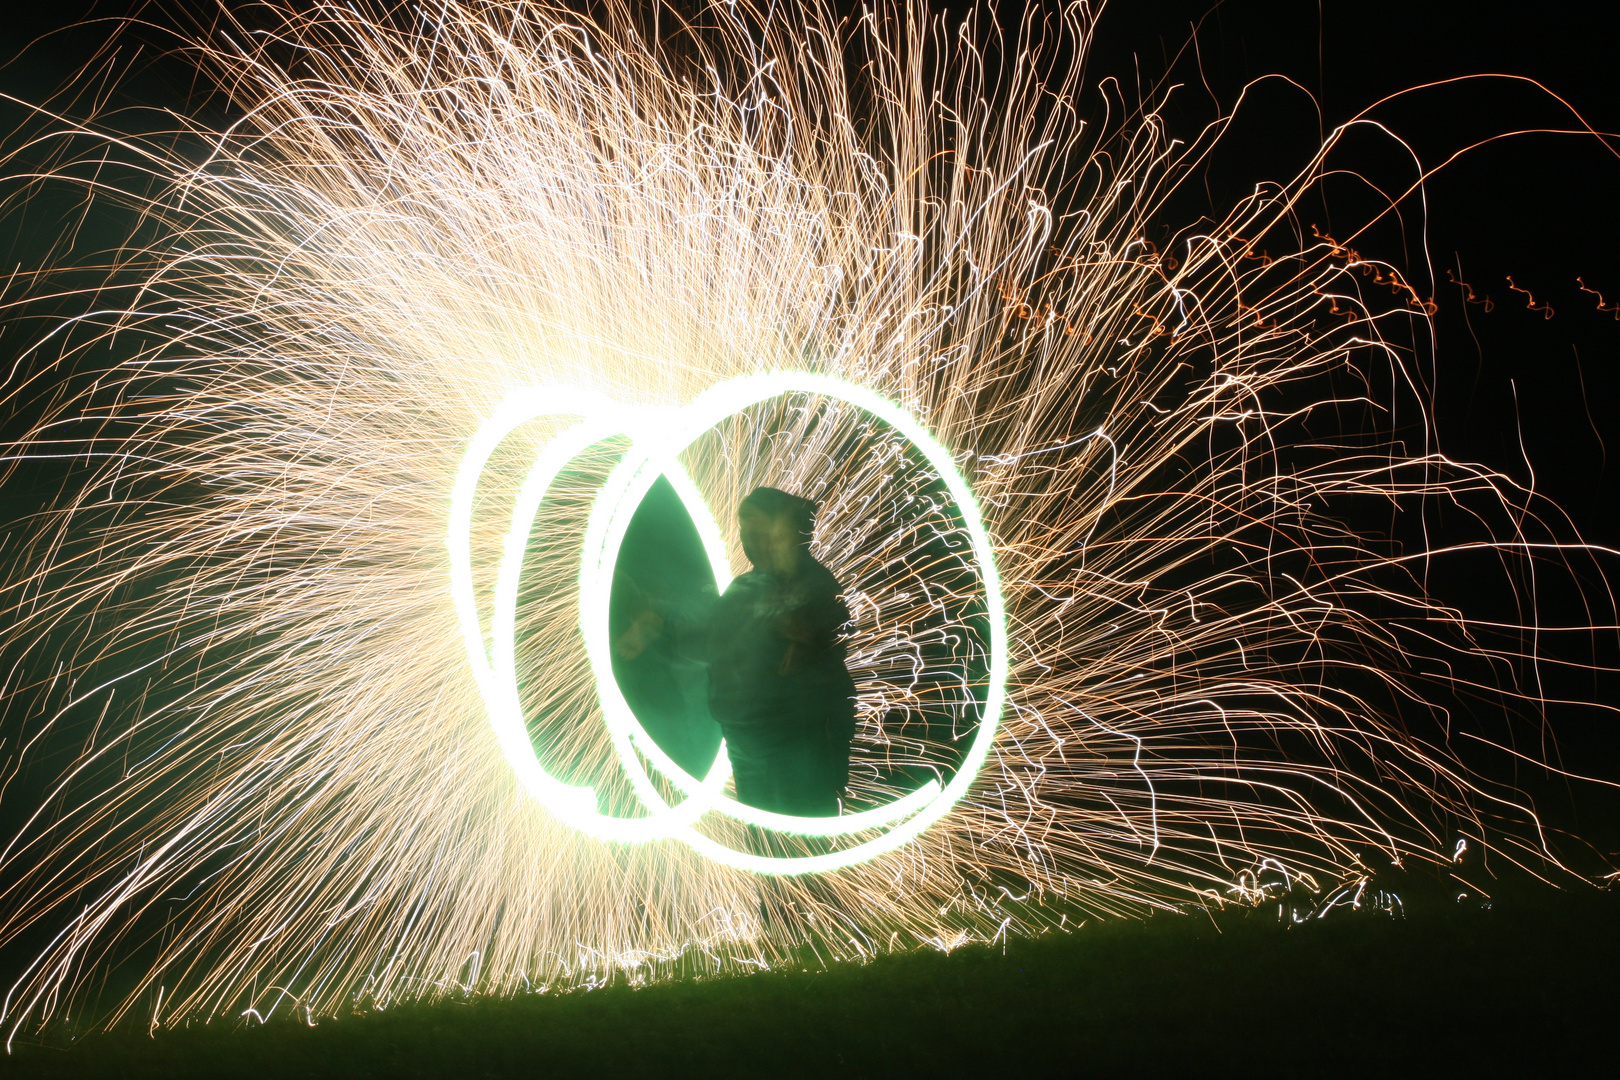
647	628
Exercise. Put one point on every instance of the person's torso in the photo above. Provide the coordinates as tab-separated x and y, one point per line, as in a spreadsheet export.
757	673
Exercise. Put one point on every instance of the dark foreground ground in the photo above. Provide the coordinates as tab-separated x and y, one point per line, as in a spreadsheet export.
1524	987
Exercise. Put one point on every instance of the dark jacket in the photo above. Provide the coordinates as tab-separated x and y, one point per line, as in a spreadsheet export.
774	652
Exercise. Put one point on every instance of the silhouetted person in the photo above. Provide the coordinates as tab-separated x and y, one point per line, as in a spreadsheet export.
777	682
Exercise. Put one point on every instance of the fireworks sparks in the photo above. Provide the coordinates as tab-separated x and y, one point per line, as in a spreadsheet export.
294	795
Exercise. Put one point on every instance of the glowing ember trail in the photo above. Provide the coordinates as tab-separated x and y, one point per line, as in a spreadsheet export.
327	628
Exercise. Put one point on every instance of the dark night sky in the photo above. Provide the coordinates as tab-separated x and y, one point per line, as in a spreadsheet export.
1538	207
1511	385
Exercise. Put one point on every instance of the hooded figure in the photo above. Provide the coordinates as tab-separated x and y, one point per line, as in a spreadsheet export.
777	683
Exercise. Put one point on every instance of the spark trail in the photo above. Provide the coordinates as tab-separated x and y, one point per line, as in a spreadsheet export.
1219	686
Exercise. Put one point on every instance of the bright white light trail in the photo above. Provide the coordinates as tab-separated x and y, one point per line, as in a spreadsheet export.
665	434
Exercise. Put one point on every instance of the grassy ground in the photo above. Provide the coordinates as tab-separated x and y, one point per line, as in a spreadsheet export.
1524	987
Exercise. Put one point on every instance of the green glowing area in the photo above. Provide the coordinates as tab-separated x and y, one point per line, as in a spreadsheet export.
662	556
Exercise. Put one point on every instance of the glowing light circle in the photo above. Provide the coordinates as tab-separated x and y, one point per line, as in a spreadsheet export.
494	670
659	435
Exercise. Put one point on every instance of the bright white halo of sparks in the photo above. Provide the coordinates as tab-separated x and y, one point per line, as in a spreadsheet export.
310	699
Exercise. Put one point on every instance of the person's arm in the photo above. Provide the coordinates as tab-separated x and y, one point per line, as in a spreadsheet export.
646	628
684	620
690	623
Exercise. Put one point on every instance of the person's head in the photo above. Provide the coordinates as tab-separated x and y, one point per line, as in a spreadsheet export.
775	528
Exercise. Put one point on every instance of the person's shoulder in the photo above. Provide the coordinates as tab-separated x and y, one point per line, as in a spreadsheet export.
822	579
748	582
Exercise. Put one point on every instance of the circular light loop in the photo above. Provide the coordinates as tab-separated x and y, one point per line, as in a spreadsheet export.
659	436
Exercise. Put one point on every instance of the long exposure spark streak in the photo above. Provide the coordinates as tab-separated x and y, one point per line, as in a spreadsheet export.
414	333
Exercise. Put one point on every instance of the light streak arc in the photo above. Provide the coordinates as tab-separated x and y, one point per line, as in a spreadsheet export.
647	459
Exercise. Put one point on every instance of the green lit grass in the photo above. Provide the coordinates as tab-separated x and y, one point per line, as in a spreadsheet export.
1526	987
